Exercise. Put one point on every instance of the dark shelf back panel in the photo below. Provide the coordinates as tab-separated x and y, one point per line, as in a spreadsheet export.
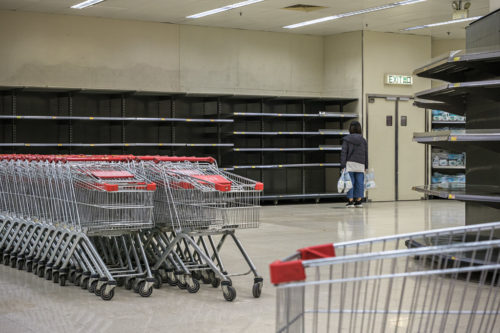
483	161
298	171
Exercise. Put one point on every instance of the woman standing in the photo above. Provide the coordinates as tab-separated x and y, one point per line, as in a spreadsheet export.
354	159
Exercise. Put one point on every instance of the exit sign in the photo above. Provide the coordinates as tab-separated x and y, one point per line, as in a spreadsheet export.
394	79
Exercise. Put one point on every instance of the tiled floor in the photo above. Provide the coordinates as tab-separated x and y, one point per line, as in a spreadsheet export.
31	304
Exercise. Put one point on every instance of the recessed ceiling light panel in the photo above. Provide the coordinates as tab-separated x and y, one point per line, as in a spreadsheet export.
442	23
86	4
223	9
357	12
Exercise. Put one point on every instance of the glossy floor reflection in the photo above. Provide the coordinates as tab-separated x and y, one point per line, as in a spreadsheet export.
31	304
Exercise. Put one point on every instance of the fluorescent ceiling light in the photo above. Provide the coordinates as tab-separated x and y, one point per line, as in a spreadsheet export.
442	23
86	4
223	9
357	12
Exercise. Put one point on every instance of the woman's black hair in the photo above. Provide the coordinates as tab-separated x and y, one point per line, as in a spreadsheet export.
355	127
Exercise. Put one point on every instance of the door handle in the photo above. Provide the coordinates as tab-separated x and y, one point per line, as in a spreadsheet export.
388	121
404	120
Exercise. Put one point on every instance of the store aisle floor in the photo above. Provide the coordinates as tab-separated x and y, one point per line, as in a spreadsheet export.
31	304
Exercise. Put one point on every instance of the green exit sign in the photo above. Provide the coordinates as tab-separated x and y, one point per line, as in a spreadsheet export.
405	80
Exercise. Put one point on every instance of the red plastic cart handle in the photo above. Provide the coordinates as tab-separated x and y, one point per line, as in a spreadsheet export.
288	271
210	160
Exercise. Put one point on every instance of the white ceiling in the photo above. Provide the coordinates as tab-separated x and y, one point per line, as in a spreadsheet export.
269	15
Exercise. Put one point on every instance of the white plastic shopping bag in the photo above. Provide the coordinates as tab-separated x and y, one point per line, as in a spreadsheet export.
344	184
370	180
347	182
340	183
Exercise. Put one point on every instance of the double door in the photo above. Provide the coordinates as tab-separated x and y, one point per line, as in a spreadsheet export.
398	162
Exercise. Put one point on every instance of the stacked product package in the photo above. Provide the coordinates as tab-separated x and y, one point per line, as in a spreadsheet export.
443	158
438	115
448	181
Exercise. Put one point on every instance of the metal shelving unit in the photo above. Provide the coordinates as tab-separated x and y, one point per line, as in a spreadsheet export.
321	114
432	105
463	65
480	194
447	122
135	119
321	148
448	167
289	144
458	137
474	92
279	166
319	132
456	93
315	196
68	145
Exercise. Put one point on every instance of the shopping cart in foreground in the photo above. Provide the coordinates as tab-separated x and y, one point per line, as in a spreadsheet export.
443	280
194	203
54	209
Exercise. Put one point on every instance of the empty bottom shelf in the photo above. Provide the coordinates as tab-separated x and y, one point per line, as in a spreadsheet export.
471	193
302	196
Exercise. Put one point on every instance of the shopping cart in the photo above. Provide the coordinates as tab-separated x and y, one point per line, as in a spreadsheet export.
55	209
194	203
443	280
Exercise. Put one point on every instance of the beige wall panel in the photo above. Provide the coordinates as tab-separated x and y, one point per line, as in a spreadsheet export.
343	65
250	62
87	52
389	53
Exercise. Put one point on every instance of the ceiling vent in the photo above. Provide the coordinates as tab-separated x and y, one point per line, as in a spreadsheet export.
304	8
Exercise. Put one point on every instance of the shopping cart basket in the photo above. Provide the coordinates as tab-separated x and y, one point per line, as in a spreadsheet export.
449	283
195	201
51	204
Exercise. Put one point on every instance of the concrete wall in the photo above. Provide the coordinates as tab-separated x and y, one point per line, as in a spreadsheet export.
250	62
87	52
343	65
389	53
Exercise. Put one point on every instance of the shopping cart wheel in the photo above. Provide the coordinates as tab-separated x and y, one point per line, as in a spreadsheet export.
120	282
172	280
62	280
55	277
257	289
229	293
196	275
129	283
215	282
6	261
93	287
29	266
12	263
20	264
71	277
193	286
107	296
158	281
84	282
78	280
181	282
48	275
205	277
41	271
143	291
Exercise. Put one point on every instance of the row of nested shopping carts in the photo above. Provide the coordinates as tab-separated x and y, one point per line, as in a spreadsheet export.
120	220
444	280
